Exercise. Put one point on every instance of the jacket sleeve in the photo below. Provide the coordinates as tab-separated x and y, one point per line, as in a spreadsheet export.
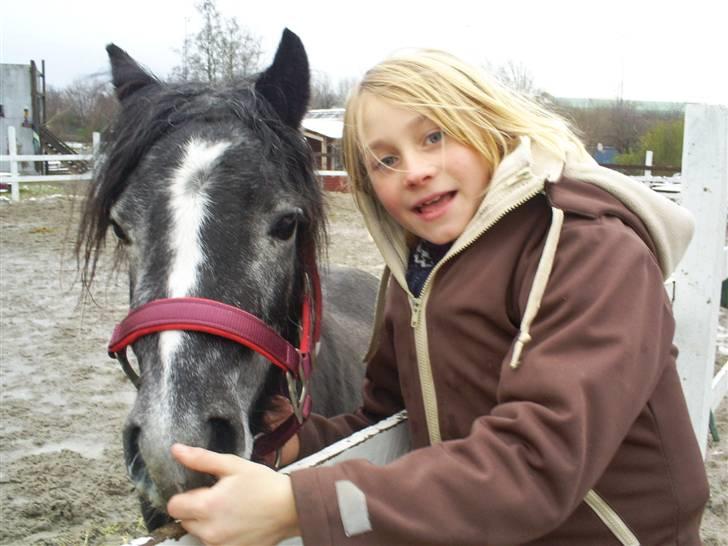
600	340
381	398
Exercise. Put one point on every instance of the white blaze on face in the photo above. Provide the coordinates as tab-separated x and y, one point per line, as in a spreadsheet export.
188	207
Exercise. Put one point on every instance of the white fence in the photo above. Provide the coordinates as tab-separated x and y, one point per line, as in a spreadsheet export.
15	179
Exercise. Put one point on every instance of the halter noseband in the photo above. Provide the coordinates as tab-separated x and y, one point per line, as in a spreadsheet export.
222	320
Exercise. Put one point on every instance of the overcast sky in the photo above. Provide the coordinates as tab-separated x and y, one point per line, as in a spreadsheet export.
648	50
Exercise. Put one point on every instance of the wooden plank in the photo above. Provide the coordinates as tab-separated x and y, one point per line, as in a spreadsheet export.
699	275
46	157
50	178
379	444
331	173
719	388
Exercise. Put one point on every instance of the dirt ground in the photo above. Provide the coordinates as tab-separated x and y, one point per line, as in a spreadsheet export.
63	402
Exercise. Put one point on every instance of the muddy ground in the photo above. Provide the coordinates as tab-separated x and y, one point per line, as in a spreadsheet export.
63	402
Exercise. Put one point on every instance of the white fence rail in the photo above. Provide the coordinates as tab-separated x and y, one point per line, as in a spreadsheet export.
15	179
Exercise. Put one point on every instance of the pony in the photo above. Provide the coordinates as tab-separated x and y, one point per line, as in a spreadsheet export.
210	192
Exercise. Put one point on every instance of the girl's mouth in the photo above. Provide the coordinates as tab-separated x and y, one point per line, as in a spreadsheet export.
435	205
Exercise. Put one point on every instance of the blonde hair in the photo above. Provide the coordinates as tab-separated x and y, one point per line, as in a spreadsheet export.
466	103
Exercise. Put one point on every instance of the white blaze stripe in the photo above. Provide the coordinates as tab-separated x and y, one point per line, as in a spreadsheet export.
188	207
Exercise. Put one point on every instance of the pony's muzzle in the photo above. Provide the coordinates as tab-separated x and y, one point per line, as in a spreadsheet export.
154	472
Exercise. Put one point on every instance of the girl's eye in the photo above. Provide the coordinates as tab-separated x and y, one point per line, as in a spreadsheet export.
434	137
386	161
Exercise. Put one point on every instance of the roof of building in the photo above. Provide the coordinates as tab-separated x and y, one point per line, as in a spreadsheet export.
329	122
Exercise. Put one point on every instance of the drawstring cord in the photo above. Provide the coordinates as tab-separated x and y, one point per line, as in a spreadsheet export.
538	287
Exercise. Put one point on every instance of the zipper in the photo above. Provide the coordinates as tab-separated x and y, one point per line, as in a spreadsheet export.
610	518
415	302
417	307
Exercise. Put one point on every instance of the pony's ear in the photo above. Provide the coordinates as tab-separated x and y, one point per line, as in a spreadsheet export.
127	76
285	84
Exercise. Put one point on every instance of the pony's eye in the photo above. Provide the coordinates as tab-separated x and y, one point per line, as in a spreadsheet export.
285	225
118	232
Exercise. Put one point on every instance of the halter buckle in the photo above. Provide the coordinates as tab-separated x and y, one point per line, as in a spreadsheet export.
299	402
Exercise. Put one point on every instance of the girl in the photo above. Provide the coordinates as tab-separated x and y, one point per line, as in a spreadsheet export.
524	327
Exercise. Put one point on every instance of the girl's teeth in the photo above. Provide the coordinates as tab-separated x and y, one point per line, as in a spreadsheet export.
431	201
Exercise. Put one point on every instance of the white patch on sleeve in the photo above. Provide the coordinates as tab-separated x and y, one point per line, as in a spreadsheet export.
353	508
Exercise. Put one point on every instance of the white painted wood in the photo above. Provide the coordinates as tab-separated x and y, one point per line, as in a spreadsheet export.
50	178
699	275
14	179
331	173
95	144
42	157
13	149
379	444
719	388
648	162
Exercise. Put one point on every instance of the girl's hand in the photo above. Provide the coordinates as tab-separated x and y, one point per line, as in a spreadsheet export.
250	505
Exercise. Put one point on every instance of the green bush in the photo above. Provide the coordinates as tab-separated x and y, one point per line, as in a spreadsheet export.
665	139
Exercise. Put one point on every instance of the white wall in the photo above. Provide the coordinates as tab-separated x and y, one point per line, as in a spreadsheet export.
15	96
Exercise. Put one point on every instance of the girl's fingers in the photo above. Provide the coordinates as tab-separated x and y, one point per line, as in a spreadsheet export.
203	460
188	506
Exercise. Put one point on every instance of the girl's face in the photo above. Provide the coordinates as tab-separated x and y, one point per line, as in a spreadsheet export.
429	183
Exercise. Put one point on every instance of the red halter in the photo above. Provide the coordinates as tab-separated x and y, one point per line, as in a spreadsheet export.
219	319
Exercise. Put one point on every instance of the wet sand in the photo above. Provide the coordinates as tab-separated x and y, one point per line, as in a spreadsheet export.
63	401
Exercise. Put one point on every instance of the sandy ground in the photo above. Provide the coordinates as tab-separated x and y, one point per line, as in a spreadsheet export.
63	402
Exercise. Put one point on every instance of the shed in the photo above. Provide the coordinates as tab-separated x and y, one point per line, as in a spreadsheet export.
323	130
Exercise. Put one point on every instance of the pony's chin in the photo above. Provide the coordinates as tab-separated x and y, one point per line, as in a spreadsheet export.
148	490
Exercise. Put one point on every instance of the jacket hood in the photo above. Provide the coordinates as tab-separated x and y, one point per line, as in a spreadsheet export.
521	175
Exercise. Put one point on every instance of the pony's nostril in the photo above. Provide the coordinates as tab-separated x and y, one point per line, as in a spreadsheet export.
222	436
134	462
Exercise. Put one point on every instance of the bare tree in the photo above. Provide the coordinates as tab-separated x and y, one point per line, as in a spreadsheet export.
518	77
323	94
84	106
240	51
221	50
326	94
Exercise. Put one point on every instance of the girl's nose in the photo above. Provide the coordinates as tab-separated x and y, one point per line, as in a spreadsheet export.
419	172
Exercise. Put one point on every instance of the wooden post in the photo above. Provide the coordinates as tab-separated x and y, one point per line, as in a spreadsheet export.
95	149
648	162
699	275
13	152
